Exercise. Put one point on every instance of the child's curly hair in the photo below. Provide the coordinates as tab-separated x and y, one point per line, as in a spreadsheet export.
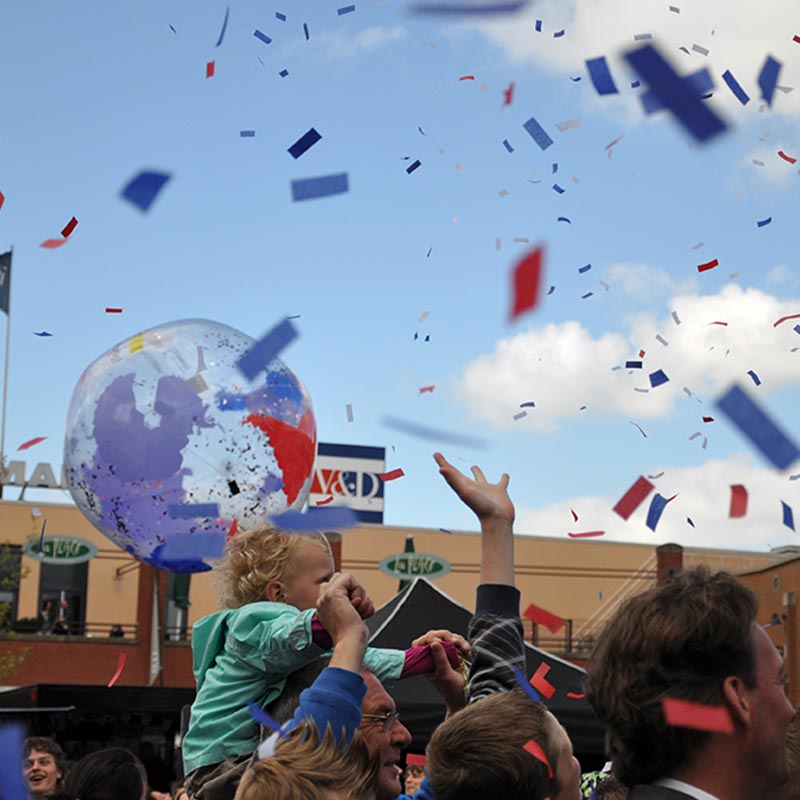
254	558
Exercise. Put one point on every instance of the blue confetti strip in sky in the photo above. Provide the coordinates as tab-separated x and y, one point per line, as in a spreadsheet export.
468	9
411	167
280	16
537	133
508	146
676	93
144	187
345	10
268	347
247	134
657	506
432	434
304	143
762	222
224	27
754	423
768	78
740	94
756	379
601	76
788	515
322	186
262	36
658	378
700	82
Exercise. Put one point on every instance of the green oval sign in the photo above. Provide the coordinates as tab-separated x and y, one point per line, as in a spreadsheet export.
60	550
411	565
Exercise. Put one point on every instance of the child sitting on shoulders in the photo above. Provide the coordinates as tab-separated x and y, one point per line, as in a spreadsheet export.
269	582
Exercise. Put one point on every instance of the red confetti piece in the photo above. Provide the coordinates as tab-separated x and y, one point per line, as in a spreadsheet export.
31	442
232	531
467	78
641	354
508	94
738	501
724	324
685	714
783	319
575	696
586	535
210	69
424	389
540	683
123	657
391	476
544	617
708	265
2	199
328	499
796	38
52	244
69	227
787	158
536	751
113	310
708	419
633	498
526	279
574	515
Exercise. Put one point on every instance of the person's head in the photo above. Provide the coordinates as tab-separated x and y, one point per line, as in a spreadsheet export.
414	773
693	639
384	733
791	789
44	766
111	774
266	564
480	752
304	767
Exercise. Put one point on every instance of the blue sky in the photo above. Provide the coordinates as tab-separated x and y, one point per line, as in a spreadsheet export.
93	92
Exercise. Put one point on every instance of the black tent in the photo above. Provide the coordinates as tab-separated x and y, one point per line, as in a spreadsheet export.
422	607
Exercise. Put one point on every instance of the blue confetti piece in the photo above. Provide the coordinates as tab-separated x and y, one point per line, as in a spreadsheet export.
411	167
304	143
740	94
143	188
675	93
193	510
587	295
305	31
689	520
262	36
281	17
762	432
768	78
526	685
762	222
788	515
419	128
554	168
529	404
699	82
658	378
432	434
172	28
756	379
508	146
11	780
323	186
584	268
657	506
196	546
42	333
538	25
224	27
283	73
316	519
601	76
538	133
266	349
559	34
558	189
345	10
465	9
564	219
575	80
247	134
633	365
551	290
263	718
796	329
635	84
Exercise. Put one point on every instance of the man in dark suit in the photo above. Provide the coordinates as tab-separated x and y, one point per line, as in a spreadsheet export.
695	639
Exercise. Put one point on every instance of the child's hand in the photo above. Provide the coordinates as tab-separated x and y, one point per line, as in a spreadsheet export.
487	500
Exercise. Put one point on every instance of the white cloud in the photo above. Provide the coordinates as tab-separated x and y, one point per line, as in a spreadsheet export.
645	281
704	494
737	35
340	45
562	367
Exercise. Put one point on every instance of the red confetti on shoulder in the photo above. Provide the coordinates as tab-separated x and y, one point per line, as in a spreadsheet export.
786	157
31	442
526	280
210	69
685	714
391	476
52	244
708	265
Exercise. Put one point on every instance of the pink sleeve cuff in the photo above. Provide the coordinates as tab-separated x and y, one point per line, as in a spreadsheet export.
419	660
319	635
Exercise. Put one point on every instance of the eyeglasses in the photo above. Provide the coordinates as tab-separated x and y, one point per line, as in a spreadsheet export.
384	720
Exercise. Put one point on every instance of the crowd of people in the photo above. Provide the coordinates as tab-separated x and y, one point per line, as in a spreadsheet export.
292	704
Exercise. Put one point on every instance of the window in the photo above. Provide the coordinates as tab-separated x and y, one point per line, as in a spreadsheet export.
776	583
62	597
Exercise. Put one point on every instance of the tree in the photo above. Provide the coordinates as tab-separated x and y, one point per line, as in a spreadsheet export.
11	573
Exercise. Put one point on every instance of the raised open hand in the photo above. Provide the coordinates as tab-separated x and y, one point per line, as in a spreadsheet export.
487	500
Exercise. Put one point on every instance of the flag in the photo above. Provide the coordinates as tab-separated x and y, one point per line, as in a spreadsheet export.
5	281
155	636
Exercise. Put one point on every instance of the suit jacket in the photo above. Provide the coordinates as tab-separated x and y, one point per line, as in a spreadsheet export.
649	792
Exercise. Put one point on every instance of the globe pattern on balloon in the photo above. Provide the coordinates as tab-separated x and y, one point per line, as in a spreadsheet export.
164	422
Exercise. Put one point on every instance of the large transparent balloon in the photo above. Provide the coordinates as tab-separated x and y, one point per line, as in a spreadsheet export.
164	423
